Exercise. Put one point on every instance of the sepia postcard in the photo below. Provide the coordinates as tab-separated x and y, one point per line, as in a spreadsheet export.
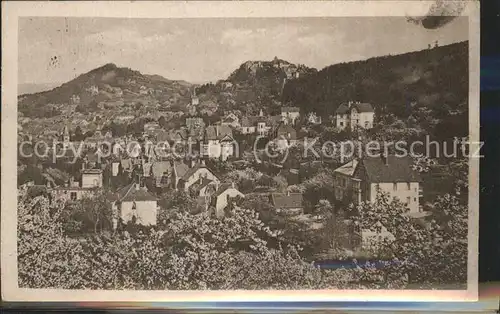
240	151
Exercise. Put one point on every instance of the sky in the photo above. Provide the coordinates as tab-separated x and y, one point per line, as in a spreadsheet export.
197	50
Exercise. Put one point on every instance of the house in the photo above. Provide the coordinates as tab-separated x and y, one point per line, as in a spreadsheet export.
194	122
205	187
164	173
133	203
91	178
74	190
95	140
193	105
247	125
222	198
288	203
354	115
75	99
285	136
260	124
231	120
218	142
143	90
66	137
193	174
93	90
151	127
360	179
290	114
71	192
313	118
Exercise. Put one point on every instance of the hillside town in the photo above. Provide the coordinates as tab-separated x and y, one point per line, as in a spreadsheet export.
125	154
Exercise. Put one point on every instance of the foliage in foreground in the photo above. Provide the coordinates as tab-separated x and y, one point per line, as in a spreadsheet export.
202	252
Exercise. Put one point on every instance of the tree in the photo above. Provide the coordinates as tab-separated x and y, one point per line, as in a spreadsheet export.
418	249
78	136
162	122
93	213
193	252
173	202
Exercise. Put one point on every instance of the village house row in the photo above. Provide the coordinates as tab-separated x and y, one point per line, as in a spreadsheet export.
355	182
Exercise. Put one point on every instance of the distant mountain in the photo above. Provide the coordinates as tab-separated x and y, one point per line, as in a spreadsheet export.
104	83
255	84
31	88
274	71
432	78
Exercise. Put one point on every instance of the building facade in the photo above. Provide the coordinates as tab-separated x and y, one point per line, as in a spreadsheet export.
290	114
361	180
354	115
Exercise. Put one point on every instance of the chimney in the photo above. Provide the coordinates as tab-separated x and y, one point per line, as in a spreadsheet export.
287	193
202	162
137	186
232	185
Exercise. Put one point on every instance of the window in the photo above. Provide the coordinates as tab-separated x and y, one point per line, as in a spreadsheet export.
408	186
73	196
341	123
414	199
366	124
395	186
134	206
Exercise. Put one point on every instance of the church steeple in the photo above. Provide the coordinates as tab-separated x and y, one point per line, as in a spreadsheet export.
194	99
65	134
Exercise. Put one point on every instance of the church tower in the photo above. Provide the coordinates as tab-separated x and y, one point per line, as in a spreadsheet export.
195	101
66	135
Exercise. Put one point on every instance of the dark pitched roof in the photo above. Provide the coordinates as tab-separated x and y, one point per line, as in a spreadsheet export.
217	132
180	169
290	109
342	109
361	107
292	200
246	122
397	169
190	171
275	119
201	183
132	194
223	187
92	171
159	168
284	130
229	119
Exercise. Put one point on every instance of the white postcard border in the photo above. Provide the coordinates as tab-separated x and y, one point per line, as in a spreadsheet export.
205	9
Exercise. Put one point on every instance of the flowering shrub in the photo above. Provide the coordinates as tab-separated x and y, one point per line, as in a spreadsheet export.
417	252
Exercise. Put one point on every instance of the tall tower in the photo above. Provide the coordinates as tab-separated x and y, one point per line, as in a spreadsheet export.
193	108
194	99
66	135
